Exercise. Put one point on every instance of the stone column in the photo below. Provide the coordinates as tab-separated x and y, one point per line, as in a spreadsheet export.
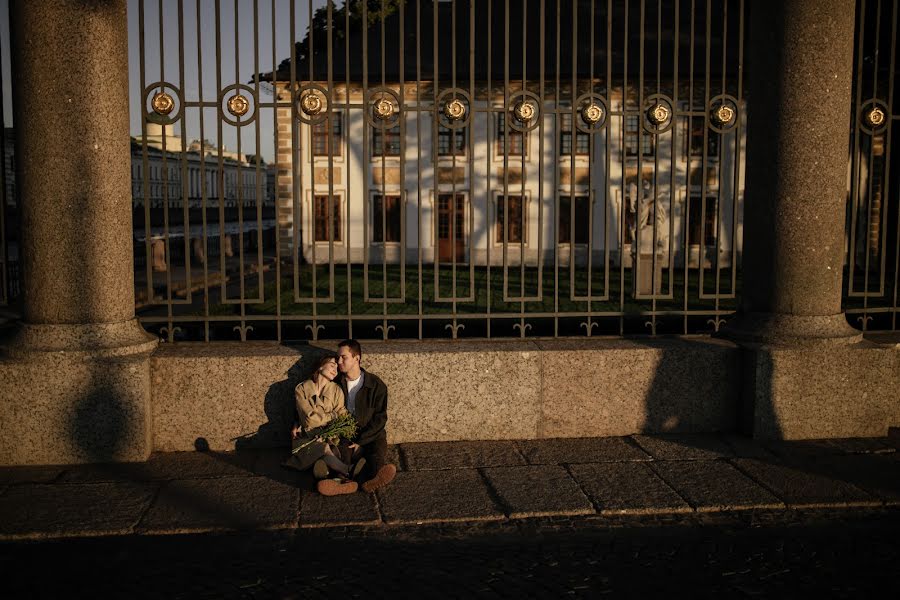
805	372
76	373
799	69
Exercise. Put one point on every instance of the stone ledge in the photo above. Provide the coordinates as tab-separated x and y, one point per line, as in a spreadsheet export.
227	394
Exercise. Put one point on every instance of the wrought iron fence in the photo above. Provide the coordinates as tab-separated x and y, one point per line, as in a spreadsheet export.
10	279
431	168
873	207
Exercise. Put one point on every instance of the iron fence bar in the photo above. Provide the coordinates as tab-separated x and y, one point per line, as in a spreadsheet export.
278	170
260	197
737	152
419	228
488	199
363	159
165	173
857	167
887	179
719	175
557	140
705	156
202	176
622	130
5	268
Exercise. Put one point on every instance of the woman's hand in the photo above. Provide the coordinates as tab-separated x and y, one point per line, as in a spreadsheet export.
295	432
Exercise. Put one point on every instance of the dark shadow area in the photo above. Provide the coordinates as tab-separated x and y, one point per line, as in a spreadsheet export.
818	559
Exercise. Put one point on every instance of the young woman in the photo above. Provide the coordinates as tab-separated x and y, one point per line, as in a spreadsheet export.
318	401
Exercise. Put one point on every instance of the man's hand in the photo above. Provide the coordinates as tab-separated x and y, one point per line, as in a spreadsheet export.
295	432
354	447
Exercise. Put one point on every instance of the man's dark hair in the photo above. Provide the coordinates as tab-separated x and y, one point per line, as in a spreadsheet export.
354	346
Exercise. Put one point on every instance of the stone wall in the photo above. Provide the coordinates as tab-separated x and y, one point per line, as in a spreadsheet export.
223	395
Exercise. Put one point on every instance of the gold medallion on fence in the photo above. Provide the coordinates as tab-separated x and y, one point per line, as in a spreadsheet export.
455	110
592	113
875	117
311	103
238	105
524	111
659	114
162	103
383	109
723	115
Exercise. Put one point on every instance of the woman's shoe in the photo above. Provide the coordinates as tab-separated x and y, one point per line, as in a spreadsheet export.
357	468
336	487
320	469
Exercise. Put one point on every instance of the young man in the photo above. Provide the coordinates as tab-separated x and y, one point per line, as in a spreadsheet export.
366	399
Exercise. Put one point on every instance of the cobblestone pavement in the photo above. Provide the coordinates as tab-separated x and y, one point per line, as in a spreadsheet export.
756	554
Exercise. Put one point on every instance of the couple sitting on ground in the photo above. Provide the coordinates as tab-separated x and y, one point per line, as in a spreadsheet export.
327	396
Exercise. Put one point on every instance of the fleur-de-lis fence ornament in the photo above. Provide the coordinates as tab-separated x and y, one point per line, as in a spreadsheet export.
454	328
314	331
864	320
385	331
522	329
589	326
169	333
652	325
716	322
243	329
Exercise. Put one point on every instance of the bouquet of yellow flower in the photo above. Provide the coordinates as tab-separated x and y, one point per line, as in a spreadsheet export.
343	427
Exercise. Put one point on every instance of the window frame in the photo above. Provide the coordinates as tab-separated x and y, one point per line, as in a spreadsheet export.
334	141
446	132
632	128
338	201
376	217
500	138
388	133
578	220
566	132
498	220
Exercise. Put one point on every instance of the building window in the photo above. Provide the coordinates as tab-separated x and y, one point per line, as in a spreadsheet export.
515	222
706	224
632	128
582	139
323	232
386	142
696	145
451	142
516	145
581	218
322	143
386	213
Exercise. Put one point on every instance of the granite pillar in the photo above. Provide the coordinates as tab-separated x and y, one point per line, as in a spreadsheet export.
75	375
806	373
799	90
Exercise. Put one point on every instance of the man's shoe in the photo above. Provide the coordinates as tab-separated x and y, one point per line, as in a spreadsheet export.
384	476
320	469
357	468
336	487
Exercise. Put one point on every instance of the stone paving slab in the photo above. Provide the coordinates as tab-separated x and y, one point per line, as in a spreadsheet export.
743	446
437	496
799	449
268	465
715	486
580	450
226	503
877	474
627	488
454	455
801	486
12	475
539	490
164	466
684	446
879	445
317	510
42	510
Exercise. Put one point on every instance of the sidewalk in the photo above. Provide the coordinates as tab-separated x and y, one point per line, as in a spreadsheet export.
580	480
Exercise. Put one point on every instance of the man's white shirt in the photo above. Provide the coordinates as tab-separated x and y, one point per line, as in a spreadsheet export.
353	386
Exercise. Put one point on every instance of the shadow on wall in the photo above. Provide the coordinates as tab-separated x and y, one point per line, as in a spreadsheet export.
278	405
697	386
104	423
